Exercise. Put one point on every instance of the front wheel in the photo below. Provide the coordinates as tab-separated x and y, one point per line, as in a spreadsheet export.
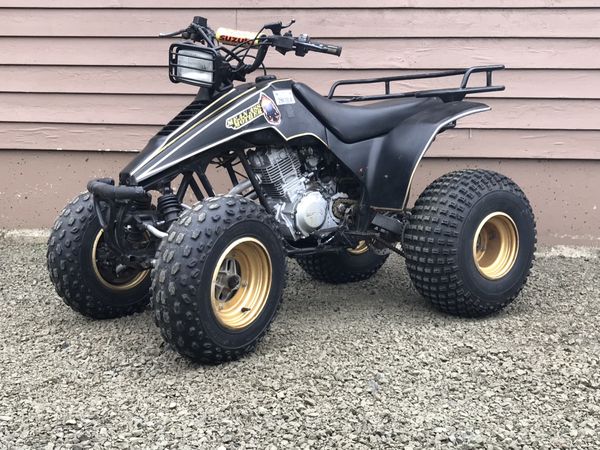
219	279
470	242
85	270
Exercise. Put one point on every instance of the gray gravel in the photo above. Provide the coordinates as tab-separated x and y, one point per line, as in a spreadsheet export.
357	366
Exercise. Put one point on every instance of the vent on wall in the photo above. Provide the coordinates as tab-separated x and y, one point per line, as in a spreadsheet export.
185	115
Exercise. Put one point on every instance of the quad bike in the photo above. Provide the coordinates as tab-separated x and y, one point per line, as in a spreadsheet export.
313	178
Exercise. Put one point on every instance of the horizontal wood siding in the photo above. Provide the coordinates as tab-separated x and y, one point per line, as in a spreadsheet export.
90	75
316	4
377	53
391	23
526	84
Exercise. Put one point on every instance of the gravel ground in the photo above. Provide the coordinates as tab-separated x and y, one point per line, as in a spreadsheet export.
357	366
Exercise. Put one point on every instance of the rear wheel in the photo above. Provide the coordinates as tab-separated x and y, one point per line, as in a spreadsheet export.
470	242
350	265
85	271
219	278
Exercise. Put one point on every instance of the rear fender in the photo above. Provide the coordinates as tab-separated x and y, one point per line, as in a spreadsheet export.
393	160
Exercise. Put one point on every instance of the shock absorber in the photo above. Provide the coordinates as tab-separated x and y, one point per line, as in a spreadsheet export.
169	207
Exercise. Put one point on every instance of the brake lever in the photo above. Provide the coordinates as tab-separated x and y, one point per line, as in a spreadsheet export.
276	27
173	34
292	22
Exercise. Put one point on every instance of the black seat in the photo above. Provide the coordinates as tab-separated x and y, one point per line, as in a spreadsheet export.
358	123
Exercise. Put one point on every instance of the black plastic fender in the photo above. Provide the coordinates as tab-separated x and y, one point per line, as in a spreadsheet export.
386	165
390	174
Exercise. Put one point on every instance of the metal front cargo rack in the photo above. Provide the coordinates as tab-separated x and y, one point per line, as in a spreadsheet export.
447	95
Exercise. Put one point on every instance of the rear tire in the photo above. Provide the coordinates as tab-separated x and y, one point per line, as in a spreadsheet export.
219	278
77	276
344	267
470	242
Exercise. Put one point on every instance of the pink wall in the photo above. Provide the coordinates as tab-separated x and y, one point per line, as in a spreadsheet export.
80	77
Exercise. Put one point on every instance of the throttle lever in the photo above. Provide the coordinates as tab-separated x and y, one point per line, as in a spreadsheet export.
303	39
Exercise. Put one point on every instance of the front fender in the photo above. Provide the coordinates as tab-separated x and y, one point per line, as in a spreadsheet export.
242	111
392	164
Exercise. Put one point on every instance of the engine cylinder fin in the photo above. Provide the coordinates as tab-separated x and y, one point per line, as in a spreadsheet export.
300	199
275	169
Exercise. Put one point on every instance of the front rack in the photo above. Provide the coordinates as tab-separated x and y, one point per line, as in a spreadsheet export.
447	95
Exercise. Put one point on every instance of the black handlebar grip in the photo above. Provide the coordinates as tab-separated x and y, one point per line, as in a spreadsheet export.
334	50
324	48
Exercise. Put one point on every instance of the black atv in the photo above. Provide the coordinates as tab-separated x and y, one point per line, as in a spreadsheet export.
312	178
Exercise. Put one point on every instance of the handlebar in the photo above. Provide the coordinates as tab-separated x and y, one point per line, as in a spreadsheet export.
242	41
301	44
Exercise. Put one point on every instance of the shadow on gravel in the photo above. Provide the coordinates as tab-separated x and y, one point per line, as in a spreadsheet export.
389	293
387	299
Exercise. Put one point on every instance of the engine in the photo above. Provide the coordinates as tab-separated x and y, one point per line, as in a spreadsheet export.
301	195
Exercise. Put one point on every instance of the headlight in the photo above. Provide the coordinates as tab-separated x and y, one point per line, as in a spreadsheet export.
194	65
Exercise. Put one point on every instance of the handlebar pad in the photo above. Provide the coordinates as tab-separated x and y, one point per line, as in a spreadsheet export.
230	36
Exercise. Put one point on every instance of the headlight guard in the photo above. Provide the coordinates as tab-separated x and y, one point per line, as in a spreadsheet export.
195	65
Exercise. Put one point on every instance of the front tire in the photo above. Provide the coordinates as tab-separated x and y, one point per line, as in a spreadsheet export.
219	278
80	266
470	242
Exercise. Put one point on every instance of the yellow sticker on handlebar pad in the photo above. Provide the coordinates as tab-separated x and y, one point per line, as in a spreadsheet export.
234	37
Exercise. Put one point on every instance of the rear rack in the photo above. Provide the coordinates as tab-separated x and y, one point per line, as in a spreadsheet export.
447	95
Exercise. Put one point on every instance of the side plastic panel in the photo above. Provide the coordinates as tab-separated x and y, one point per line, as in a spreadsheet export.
386	165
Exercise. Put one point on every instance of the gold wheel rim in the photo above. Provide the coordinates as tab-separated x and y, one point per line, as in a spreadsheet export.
241	283
361	248
128	284
496	245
